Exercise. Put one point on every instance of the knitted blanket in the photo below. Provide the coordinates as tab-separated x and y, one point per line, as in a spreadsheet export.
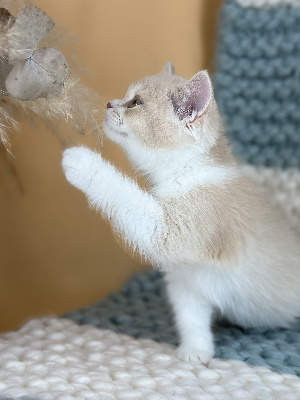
124	347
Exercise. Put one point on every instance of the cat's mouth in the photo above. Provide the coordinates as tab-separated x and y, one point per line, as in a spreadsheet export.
108	128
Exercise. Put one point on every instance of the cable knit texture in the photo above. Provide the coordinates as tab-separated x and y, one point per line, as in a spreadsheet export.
257	83
57	359
141	310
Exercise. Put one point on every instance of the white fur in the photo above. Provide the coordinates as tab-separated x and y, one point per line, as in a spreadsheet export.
135	214
245	295
176	172
254	279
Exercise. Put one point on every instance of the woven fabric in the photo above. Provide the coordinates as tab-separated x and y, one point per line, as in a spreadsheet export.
257	83
141	310
56	359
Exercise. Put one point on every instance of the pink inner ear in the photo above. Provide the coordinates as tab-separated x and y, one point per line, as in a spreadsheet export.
193	98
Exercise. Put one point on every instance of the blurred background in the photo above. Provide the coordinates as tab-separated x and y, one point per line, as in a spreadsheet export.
56	253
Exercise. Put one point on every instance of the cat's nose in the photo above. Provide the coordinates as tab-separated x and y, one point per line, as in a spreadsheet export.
109	105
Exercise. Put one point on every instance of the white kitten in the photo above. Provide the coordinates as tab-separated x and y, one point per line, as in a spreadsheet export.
209	227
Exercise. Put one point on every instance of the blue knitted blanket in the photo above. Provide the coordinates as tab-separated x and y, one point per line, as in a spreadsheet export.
141	310
257	83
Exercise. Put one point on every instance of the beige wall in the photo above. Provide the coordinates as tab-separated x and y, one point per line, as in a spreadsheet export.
55	253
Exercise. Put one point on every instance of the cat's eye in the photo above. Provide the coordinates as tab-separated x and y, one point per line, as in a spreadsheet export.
136	101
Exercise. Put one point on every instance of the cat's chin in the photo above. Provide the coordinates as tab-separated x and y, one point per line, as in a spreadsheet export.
112	133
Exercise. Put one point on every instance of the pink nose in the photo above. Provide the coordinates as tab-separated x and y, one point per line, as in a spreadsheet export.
109	105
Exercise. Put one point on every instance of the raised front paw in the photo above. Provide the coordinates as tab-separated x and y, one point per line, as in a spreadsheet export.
196	354
80	166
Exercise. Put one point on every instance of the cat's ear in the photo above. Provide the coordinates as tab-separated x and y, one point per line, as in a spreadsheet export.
169	68
192	99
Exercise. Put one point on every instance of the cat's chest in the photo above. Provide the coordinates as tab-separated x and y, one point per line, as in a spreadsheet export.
183	182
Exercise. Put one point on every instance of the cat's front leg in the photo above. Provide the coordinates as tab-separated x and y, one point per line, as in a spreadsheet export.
80	165
193	319
134	213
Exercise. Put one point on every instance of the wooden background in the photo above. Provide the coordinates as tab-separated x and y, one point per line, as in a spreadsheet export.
55	253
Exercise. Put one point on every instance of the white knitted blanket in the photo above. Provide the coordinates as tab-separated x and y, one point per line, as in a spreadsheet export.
52	358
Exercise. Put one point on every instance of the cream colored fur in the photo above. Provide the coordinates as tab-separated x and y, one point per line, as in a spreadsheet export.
224	249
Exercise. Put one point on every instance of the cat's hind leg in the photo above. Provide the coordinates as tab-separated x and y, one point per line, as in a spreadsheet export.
193	320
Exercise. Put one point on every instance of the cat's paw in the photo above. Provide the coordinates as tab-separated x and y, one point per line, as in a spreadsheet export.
195	354
79	166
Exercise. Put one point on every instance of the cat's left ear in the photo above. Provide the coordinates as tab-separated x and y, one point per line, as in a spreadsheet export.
169	68
192	100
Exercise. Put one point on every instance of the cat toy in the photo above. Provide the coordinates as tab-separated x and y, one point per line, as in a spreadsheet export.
38	79
26	72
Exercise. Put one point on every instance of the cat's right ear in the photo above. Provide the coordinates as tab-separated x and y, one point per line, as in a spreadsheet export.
192	100
169	68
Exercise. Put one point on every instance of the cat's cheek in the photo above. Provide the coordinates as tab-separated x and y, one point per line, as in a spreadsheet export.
108	130
107	118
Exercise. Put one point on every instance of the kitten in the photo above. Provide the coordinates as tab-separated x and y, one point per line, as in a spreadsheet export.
223	248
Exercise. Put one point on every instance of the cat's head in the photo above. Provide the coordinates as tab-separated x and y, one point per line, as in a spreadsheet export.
164	112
